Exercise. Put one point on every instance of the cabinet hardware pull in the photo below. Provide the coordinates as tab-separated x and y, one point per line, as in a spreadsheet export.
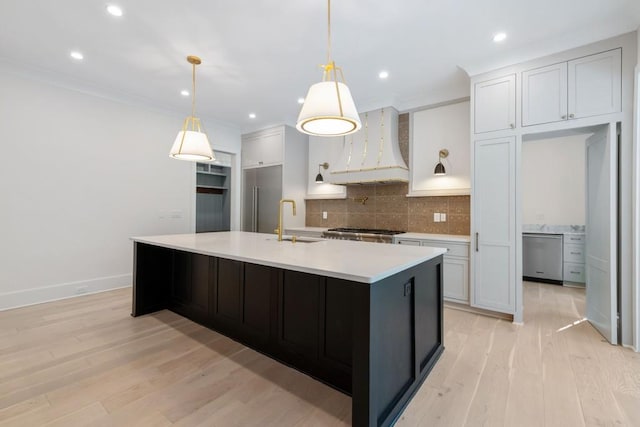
575	272
512	126
563	117
571	116
540	272
575	253
477	234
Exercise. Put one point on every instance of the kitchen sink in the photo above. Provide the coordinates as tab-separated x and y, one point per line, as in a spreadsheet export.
298	239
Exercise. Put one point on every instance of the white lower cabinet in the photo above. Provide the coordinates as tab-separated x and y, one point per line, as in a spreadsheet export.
456	274
455	265
574	258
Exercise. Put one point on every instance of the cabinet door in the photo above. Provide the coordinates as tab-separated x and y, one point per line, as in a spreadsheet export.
494	240
263	149
180	293
456	279
298	322
595	84
200	280
544	94
495	104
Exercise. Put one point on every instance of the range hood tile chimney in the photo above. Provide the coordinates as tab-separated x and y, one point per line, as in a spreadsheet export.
372	155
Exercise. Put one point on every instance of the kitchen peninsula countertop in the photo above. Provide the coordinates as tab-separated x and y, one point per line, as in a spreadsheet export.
356	261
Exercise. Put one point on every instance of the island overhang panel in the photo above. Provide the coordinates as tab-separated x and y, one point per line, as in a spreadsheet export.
371	328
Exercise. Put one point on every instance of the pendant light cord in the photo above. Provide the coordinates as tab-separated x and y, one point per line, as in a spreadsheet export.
328	32
193	86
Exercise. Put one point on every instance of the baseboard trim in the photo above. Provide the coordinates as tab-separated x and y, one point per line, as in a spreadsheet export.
23	298
468	308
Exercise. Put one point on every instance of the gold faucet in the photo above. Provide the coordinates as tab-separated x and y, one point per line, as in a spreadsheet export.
279	229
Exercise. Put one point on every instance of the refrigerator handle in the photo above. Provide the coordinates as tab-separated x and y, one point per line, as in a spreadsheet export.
256	195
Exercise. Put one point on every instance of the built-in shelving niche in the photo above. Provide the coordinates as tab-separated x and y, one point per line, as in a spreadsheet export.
213	207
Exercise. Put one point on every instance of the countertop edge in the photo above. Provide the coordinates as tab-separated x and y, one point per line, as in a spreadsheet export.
296	267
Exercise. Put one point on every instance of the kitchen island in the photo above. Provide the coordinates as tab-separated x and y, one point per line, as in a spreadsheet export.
365	318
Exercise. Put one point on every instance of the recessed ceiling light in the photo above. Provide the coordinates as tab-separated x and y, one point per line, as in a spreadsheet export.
300	100
184	92
76	55
383	74
114	10
252	115
499	37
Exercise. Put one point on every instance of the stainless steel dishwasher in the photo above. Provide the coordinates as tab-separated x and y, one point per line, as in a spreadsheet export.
542	257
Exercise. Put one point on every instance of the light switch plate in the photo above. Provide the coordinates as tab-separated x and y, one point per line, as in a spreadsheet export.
436	217
324	215
443	217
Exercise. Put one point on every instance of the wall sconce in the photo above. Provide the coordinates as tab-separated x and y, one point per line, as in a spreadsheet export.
319	178
440	170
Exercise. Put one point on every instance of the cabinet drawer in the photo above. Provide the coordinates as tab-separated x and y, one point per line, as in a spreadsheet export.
409	242
573	238
574	253
573	272
453	249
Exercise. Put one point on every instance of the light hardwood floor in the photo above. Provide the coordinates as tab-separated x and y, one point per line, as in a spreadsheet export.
86	362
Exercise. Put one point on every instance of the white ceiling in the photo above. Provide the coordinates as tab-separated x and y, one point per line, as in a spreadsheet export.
260	56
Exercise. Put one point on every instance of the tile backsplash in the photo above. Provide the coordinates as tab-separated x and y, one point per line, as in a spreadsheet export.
386	206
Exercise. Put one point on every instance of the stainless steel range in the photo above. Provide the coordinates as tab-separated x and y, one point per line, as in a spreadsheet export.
361	234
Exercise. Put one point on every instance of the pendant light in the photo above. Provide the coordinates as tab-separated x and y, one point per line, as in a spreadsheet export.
192	142
328	109
439	169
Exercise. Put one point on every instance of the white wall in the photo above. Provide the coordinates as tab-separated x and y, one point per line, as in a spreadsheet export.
79	175
434	129
553	181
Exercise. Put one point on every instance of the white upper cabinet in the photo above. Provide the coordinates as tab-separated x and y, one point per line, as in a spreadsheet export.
263	148
595	84
583	87
544	94
495	104
324	150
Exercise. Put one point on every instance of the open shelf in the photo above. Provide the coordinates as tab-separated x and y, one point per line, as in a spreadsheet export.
212	173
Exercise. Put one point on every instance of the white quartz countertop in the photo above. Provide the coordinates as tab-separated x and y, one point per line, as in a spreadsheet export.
343	259
454	238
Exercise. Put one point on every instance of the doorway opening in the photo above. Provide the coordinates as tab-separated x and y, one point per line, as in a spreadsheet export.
570	221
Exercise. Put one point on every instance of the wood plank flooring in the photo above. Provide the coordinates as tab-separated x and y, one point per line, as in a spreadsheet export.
86	362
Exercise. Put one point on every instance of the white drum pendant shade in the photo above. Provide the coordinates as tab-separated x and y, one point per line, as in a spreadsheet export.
321	114
191	145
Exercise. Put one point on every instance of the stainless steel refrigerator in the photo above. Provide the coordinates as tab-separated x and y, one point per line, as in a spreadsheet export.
261	194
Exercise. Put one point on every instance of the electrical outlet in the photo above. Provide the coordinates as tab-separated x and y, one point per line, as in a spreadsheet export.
436	217
443	217
324	215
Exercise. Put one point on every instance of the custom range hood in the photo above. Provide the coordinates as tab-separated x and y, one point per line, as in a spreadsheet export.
372	155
